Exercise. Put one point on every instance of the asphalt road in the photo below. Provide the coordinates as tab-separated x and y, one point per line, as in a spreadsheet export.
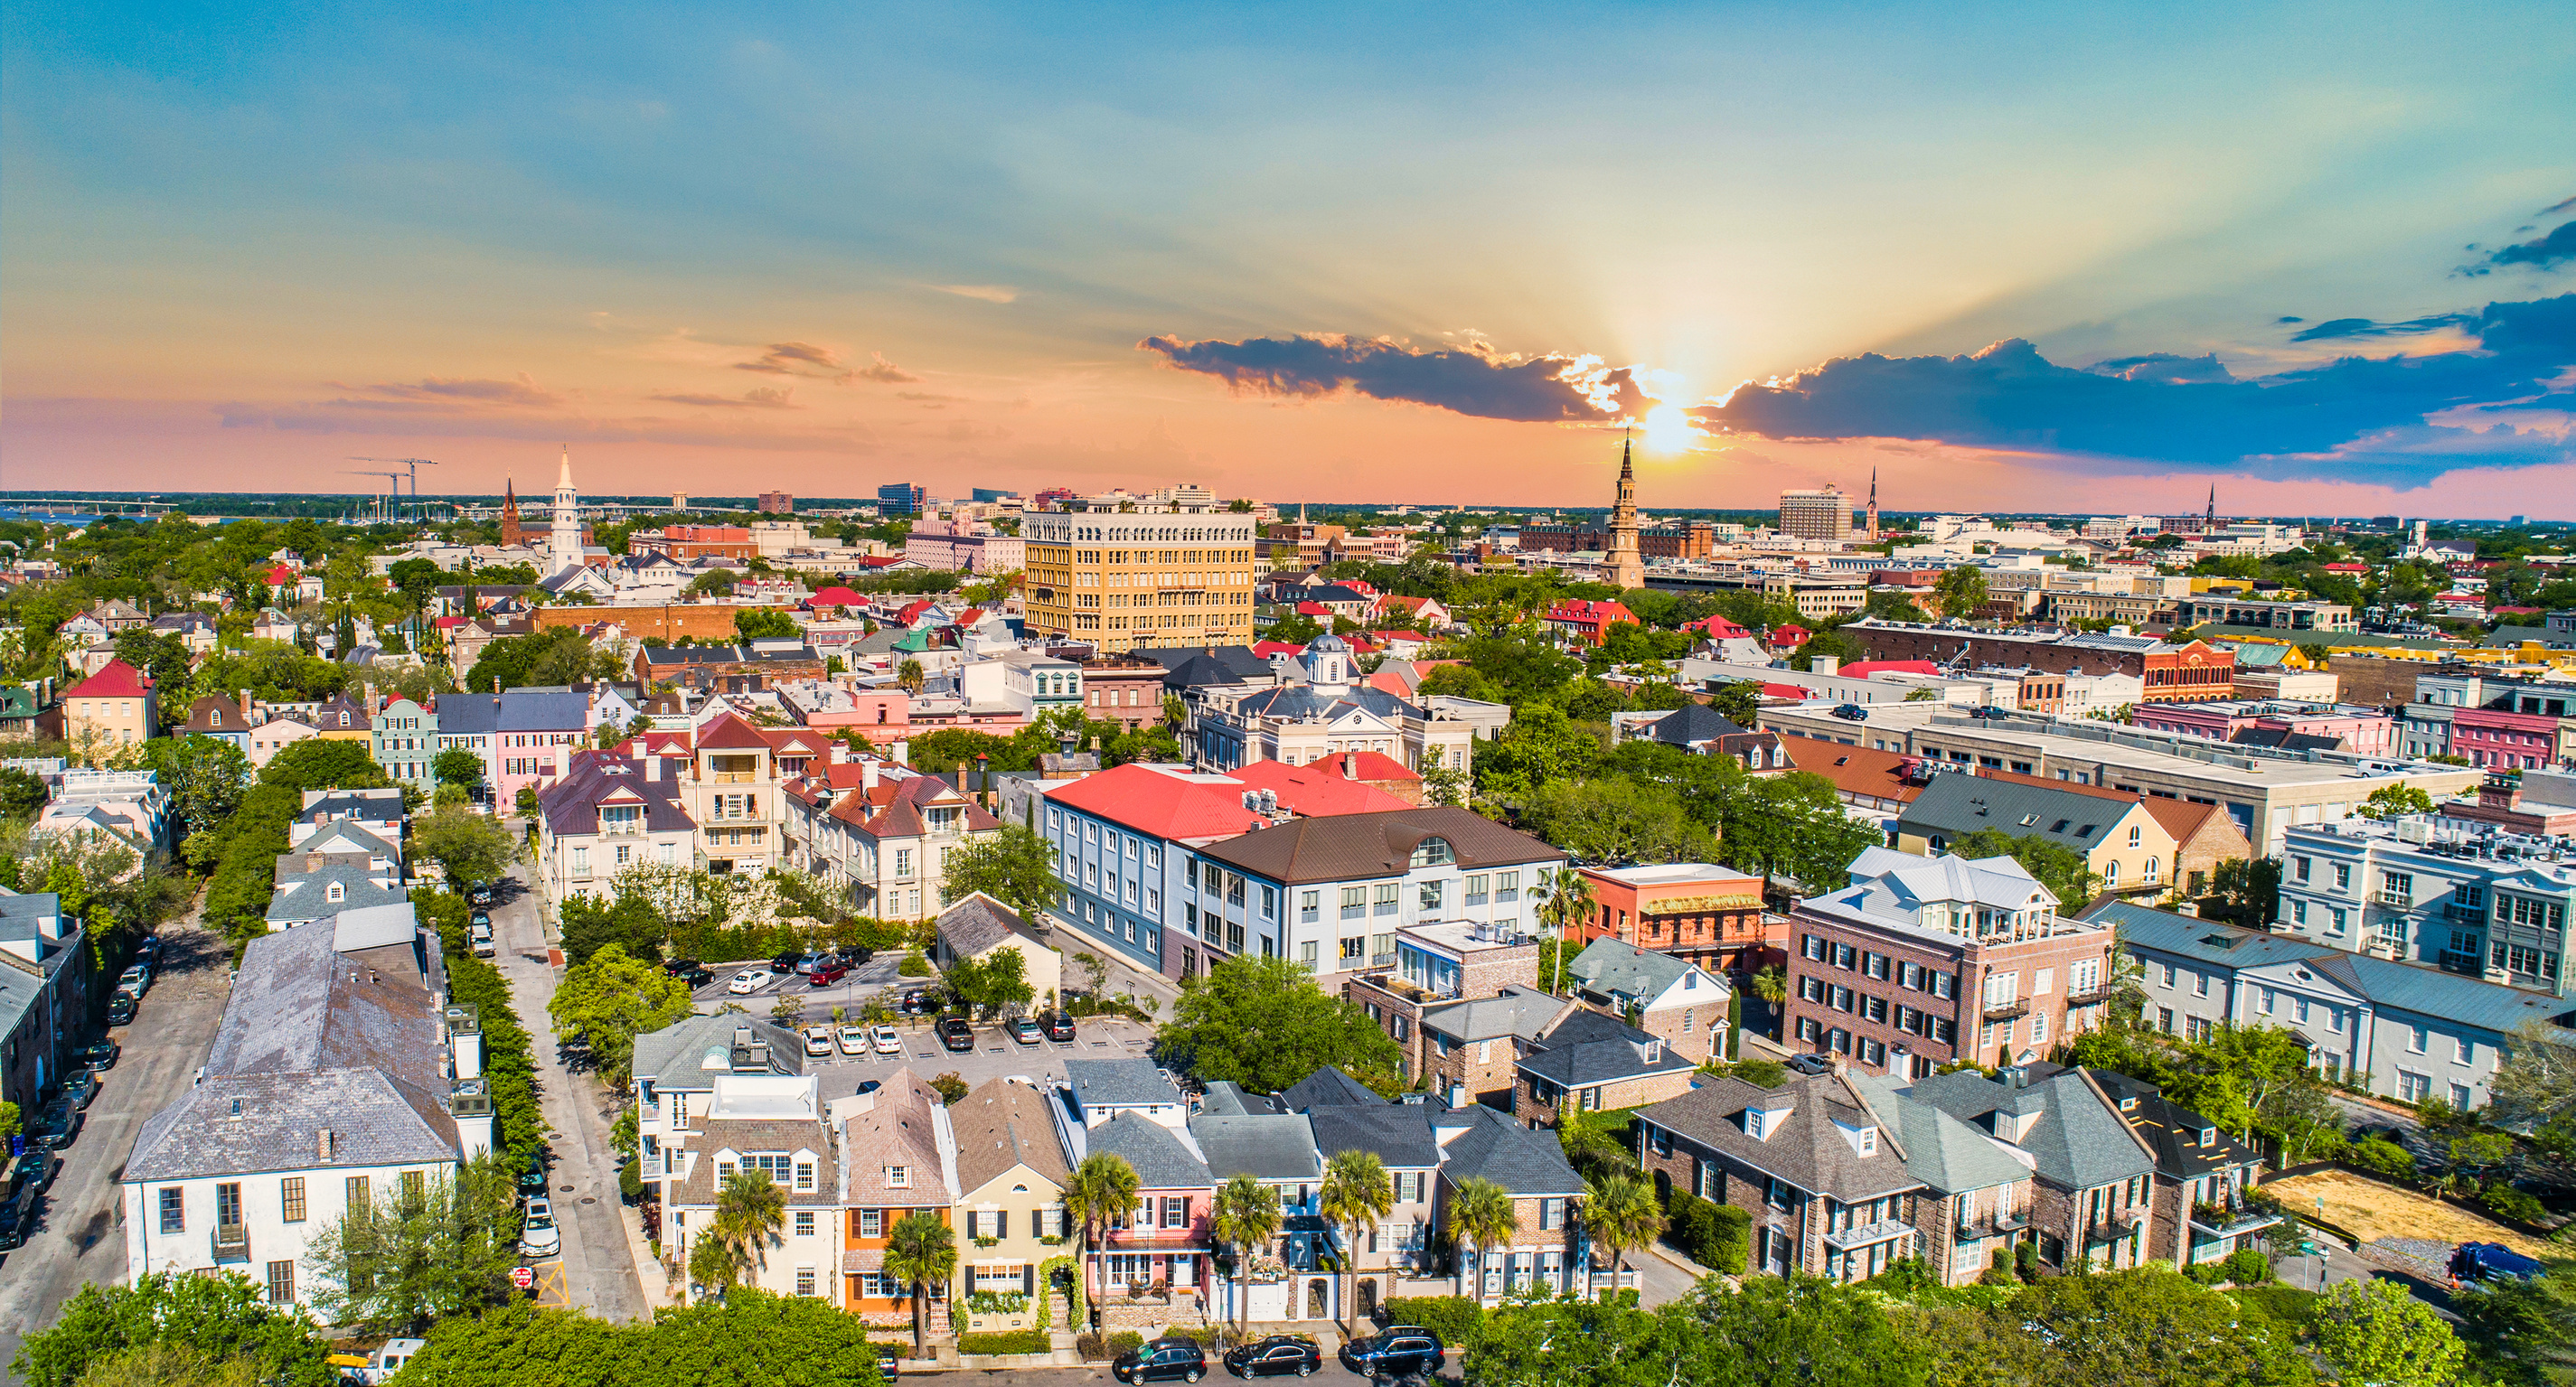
597	1271
1331	1373
80	1234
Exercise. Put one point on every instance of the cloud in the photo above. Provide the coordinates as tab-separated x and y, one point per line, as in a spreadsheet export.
885	371
989	293
521	391
2546	253
2165	368
2557	208
2340	329
796	359
2305	422
1474	380
759	398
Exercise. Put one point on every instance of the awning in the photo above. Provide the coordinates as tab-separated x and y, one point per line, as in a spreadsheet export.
863	1259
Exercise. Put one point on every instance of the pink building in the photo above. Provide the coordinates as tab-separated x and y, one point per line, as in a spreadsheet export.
829	707
963	547
2367	731
2489	737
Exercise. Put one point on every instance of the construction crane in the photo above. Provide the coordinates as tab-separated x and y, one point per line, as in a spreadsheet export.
394	478
411	467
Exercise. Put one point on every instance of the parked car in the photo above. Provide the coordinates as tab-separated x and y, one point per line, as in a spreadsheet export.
17	1219
80	1087
2488	1261
866	1087
36	1171
1163	1360
533	1179
690	971
854	1040
1810	1064
150	949
890	1361
538	1235
1403	1349
913	1003
1026	1031
749	980
956	1034
480	895
887	1039
786	962
1851	712
807	963
56	1127
120	1009
828	973
1059	1025
482	944
818	1040
97	1059
136	980
1271	1357
482	919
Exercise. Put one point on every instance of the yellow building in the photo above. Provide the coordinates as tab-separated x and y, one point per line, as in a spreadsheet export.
1123	576
115	707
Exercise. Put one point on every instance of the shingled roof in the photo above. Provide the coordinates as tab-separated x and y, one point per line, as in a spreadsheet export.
1813	1144
1350	846
1001	1125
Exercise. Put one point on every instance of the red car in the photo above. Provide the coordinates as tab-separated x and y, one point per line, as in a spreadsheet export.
826	974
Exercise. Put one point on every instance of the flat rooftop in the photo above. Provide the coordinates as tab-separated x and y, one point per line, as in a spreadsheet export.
1668	873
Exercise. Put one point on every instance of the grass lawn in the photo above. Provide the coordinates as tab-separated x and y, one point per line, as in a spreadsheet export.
2374	1211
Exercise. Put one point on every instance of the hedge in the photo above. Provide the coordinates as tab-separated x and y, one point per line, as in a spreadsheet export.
1454	1318
1017	1341
509	1061
2383	1158
1717	1236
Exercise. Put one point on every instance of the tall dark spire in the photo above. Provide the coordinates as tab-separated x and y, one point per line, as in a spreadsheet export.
2210	521
1627	464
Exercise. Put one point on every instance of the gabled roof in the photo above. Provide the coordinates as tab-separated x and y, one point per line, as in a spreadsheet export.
1350	846
1586	1048
1120	1083
117	680
2078	1141
1696	722
595	779
1857	770
1494	1147
1617	968
1962	804
729	732
1520	1012
1940	1150
1586	612
1815	1144
2187	1145
1398	1133
1161	1160
979	922
1000	1125
1330	1086
902	1123
307	895
1266	1146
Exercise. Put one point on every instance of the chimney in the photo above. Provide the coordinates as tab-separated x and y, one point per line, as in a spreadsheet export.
652	768
839	753
325	1142
1350	765
903	751
1825	664
496	686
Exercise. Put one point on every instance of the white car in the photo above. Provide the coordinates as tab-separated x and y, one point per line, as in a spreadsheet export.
854	1040
538	1236
749	980
889	1041
818	1040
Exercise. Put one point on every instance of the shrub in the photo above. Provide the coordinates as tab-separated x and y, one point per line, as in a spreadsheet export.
1092	1348
2381	1157
1454	1318
2287	1306
2247	1266
1124	1341
1730	1240
1998	1270
1018	1341
2207	1273
950	1087
2507	1202
630	1179
2026	1261
914	966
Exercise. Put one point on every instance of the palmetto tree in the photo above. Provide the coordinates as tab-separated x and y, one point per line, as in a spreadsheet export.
1356	1194
1481	1216
1247	1216
1570	901
1101	1188
920	1249
751	1210
1623	1218
909	674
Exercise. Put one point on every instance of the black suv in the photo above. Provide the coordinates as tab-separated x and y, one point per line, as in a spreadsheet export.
120	1009
99	1058
1401	1350
1164	1360
533	1179
956	1034
690	971
1274	1356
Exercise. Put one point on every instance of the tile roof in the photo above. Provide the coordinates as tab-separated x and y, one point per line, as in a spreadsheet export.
117	680
594	779
1496	1148
1351	846
1857	770
903	1123
1161	1159
1000	1125
2078	1140
1813	1146
1940	1150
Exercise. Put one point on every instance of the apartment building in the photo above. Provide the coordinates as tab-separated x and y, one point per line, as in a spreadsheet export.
2409	1031
2451	893
2093	1195
2168	672
879	835
1818	514
2126	847
2264	789
760	1124
608	813
2492	720
119	706
1919	962
1120	577
1709	915
899	1159
1330	712
403	740
675	1071
340	1078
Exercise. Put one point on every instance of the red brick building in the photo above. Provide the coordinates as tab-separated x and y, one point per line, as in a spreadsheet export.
1707	915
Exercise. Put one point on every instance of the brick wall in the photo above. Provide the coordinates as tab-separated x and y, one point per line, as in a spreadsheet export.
1969	963
1628	1093
707	623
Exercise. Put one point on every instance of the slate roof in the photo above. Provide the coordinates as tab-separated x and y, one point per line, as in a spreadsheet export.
1588	1048
1000	1125
676	1056
366	806
1162	1161
468	714
2078	1141
978	923
1940	1150
1266	1146
373	1121
761	1134
1400	1133
1808	1148
1695	722
1301	701
1121	1083
571	805
1961	804
1351	846
524	710
1496	1148
306	895
1237	661
1515	1011
903	1126
350	838
1330	1086
2173	1130
1618	969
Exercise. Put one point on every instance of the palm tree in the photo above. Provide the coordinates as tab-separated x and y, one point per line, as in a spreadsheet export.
1481	1216
1101	1188
1247	1216
1623	1218
920	1249
1771	984
909	675
1571	902
1356	1193
751	1210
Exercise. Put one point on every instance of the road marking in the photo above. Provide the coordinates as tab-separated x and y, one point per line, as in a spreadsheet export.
551	1293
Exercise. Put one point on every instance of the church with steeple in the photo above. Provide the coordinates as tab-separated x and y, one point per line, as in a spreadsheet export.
512	533
563	533
1623	565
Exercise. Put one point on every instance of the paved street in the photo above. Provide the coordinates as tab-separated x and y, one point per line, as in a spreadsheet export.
598	1264
1332	1373
80	1235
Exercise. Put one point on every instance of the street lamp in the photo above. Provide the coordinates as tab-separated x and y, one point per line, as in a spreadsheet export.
984	768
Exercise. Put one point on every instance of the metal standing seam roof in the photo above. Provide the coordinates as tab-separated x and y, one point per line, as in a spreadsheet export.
1959	804
1348	847
1266	1146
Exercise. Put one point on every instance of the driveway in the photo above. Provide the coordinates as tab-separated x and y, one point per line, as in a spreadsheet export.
80	1233
598	1272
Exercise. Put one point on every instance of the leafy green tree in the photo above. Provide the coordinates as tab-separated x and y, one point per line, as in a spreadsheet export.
1014	866
910	675
1356	1194
555	655
2535	1085
317	764
1245	1217
223	1316
920	1250
988	984
2523	1332
1960	592
457	766
2248	890
1794	825
1263	1023
611	998
423	1251
2152	1325
629	921
2374	1332
2061	869
1614	819
750	1339
715	582
171	1365
1541	746
21	794
1458	681
470	846
764	623
2391	801
205	777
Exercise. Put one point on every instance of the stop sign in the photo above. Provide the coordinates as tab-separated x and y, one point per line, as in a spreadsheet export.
522	1278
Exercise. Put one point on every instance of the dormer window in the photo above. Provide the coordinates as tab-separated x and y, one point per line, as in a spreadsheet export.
1867	1143
1433	852
335	892
2209	1136
898	1177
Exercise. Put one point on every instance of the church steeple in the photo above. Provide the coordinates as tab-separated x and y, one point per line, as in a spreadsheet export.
1625	566
511	533
1873	505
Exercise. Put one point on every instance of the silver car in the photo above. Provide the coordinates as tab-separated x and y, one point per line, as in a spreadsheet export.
538	1235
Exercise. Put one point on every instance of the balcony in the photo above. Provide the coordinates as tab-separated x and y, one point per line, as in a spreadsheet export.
2459	914
2457	961
2396	900
1998	1226
232	1242
735	777
2114	1226
2230	1218
2005	1011
1191	1236
1868	1234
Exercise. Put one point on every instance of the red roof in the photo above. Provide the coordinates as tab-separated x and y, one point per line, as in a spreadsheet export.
445	622
2347	568
1313	609
1410	604
280	575
1718	627
730	730
879	560
1784	691
912	610
1400	636
118	680
1162	805
1372	766
837	597
1788	635
1266	649
1586	612
1865	668
1316	792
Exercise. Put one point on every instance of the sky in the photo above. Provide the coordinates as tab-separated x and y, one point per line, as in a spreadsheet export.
2045	257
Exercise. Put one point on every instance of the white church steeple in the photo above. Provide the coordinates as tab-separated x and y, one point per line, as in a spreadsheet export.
563	537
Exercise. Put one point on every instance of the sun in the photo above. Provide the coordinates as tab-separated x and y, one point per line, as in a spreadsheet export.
1669	430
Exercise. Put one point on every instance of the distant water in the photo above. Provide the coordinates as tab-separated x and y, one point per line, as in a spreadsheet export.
48	517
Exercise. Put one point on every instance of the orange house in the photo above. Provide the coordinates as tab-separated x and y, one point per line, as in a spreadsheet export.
1709	915
897	1148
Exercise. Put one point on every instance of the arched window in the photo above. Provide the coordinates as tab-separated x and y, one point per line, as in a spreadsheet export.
1433	852
2152	868
2111	872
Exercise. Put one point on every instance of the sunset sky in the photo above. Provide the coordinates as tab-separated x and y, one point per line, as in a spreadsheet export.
2040	257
